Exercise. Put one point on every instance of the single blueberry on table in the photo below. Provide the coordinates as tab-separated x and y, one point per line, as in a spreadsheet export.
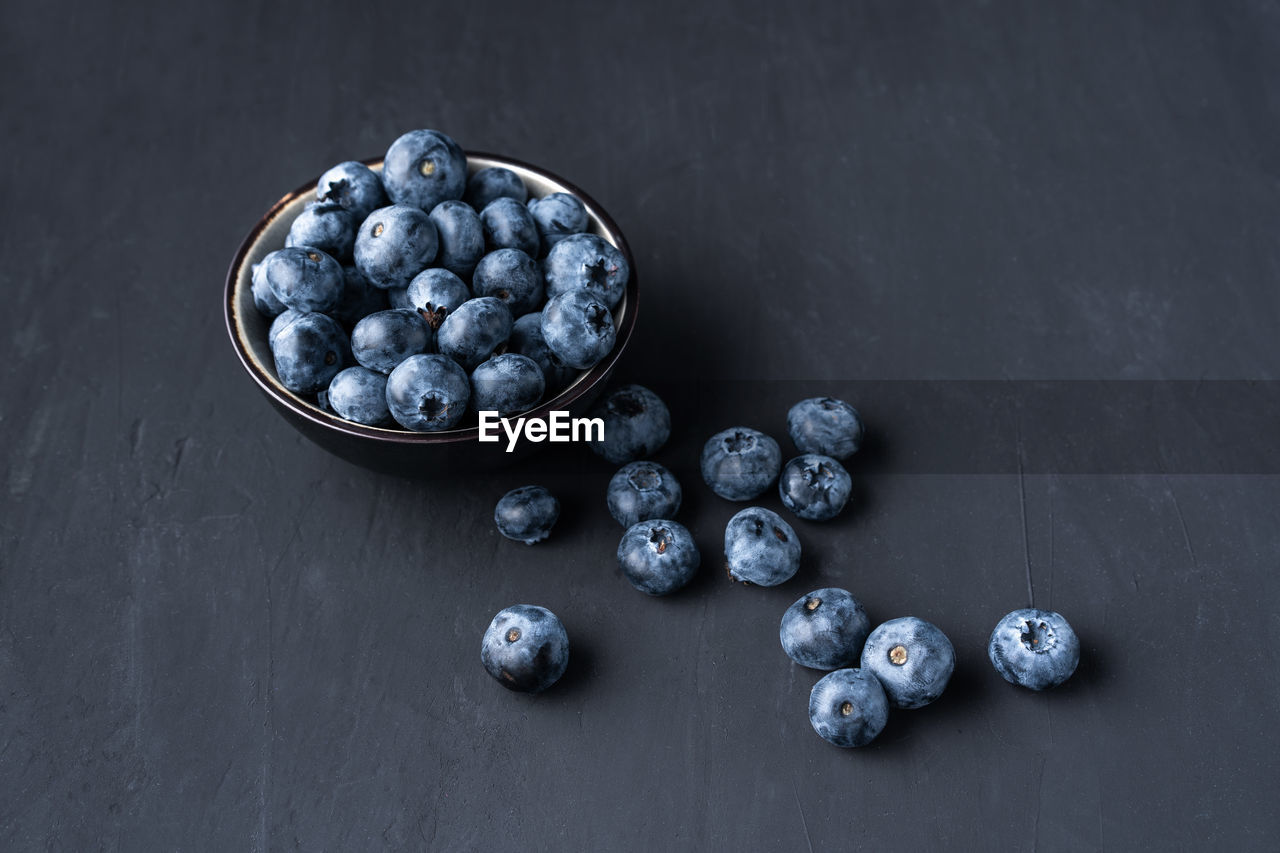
359	298
436	293
507	384
360	395
848	708
658	556
303	278
740	463
643	490
557	216
309	352
825	629
470	334
527	514
815	487
1034	648
587	261
461	236
324	225
825	425
424	168
384	339
508	224
760	548
263	299
525	648
495	182
428	393
354	186
526	339
578	328
394	244
512	276
636	424
913	660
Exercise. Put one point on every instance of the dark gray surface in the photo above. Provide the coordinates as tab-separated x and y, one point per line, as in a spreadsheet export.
215	637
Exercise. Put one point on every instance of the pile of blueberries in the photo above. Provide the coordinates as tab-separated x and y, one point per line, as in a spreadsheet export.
416	295
903	663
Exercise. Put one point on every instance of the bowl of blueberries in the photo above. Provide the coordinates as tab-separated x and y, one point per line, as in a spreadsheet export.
384	305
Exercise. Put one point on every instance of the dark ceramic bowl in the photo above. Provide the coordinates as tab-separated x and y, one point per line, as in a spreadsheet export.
398	450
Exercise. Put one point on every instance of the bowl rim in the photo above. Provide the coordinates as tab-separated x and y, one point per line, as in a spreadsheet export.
582	386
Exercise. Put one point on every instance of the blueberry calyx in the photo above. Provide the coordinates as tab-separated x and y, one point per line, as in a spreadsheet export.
598	319
739	442
434	315
846	709
337	190
813	604
433	406
626	404
645	479
427	168
598	272
898	655
513	635
378	229
661	537
330	357
1037	637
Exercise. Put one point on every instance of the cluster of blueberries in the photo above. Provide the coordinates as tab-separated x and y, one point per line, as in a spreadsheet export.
412	296
903	663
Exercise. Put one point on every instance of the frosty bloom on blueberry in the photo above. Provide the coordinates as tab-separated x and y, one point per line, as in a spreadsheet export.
913	660
1036	649
760	548
525	648
527	514
658	556
636	424
739	464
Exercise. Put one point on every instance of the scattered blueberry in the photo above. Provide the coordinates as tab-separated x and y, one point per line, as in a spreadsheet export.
303	278
525	648
512	276
814	487
848	708
428	393
636	424
658	556
359	298
825	629
263	299
526	339
309	351
436	293
471	333
354	186
590	262
740	463
424	168
461	236
527	514
643	490
825	425
913	660
394	244
324	225
557	216
578	328
760	548
508	224
507	384
495	182
384	339
1034	648
360	394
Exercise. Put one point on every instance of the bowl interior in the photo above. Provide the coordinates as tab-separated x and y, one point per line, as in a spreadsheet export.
249	327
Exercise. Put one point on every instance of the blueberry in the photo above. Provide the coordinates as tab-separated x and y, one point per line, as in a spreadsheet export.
526	339
359	298
848	708
495	182
309	352
428	393
508	224
512	276
506	384
436	293
424	168
525	648
303	278
324	225
1034	648
825	425
760	548
283	319
527	514
578	328
461	236
587	261
740	463
814	487
470	334
557	216
354	186
825	629
394	244
384	339
360	394
263	299
658	556
643	490
913	660
636	424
